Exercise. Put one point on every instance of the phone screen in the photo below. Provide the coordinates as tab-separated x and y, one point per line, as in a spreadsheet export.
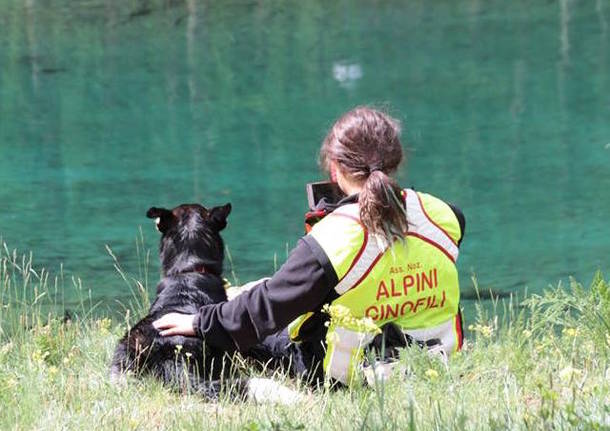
323	189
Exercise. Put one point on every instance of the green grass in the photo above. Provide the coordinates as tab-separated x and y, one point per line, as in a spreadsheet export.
538	363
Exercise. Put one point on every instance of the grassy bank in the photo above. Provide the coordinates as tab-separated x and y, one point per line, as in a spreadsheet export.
538	363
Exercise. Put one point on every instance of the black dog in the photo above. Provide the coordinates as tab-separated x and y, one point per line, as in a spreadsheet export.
191	253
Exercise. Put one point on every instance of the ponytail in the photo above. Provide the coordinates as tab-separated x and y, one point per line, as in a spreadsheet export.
382	208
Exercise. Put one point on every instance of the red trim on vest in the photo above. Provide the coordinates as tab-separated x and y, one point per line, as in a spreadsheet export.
366	240
429	241
421	204
367	272
458	330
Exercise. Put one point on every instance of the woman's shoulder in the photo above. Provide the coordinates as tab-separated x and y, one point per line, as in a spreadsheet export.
341	236
448	217
341	224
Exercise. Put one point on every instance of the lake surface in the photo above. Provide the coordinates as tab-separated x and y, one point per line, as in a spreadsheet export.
110	107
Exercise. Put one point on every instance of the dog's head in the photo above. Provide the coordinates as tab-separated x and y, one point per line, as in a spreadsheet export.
190	238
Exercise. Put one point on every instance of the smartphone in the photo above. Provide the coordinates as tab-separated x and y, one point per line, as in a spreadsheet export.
323	189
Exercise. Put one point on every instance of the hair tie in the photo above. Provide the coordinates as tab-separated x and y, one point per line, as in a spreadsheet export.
374	168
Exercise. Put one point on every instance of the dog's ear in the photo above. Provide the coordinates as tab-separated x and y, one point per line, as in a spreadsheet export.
218	216
163	218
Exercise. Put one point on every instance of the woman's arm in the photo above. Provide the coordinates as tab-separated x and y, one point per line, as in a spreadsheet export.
302	284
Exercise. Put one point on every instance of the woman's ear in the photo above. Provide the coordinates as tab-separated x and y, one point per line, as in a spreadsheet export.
332	171
339	177
218	216
164	218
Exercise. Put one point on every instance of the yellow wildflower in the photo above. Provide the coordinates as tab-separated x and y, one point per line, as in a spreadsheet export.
432	374
104	325
340	315
39	356
570	332
485	330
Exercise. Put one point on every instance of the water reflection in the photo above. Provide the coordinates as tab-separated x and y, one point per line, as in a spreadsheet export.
110	107
602	17
347	74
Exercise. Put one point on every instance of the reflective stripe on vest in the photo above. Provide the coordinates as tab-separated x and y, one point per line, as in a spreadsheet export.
448	333
420	226
345	349
370	252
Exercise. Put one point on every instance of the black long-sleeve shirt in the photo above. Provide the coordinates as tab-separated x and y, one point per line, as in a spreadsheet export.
304	283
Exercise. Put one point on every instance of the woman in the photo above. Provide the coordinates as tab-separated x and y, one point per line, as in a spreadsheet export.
385	253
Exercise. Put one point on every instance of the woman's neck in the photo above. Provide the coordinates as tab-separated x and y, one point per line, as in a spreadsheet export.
346	184
351	188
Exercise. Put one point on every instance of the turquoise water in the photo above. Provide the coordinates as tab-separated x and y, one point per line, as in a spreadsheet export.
108	108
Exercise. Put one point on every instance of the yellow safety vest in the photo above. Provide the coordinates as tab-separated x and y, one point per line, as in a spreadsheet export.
412	283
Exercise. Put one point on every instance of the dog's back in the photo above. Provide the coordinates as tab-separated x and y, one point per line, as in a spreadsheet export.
191	254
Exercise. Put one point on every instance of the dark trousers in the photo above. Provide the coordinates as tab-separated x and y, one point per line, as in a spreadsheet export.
303	360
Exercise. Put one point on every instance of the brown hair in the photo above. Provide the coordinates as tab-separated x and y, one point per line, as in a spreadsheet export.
365	144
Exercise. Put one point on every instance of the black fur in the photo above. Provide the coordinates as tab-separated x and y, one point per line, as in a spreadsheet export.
191	253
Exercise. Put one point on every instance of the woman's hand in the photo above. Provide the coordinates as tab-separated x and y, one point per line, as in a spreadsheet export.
175	324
